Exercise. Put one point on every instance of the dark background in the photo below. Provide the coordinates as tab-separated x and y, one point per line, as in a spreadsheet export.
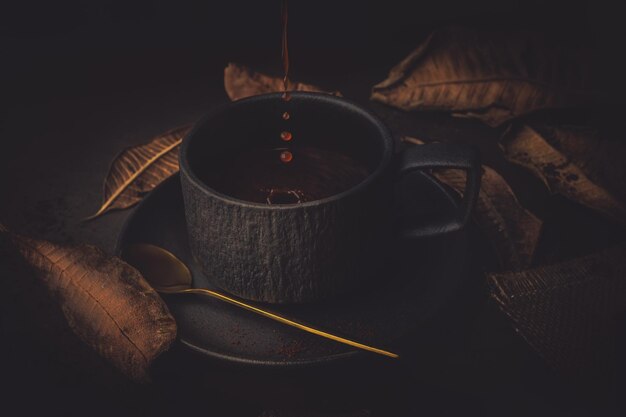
82	80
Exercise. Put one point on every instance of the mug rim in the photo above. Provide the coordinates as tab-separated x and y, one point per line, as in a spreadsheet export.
384	134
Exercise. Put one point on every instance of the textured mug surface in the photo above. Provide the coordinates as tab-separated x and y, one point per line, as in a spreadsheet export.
288	253
315	250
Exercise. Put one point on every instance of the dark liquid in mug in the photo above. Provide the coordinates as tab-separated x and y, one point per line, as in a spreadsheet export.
262	175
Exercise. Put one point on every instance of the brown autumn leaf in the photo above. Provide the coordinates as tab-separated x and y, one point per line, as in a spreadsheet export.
512	230
527	147
103	301
240	82
569	312
139	169
493	78
600	158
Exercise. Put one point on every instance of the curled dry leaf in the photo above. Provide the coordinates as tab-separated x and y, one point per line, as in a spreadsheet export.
512	230
139	169
527	147
568	311
241	82
599	157
490	77
105	302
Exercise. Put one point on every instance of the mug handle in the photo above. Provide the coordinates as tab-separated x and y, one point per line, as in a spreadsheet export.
444	155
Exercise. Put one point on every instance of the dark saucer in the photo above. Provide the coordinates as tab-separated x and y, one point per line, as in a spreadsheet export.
422	279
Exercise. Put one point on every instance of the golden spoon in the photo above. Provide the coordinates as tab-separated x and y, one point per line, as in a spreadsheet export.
169	275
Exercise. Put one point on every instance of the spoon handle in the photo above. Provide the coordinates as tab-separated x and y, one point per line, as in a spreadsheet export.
283	320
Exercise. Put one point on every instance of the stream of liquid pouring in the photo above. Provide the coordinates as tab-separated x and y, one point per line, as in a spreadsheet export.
285	49
285	156
279	196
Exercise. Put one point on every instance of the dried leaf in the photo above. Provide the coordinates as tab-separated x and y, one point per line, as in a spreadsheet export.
105	302
599	157
512	230
527	147
490	77
241	82
569	312
139	169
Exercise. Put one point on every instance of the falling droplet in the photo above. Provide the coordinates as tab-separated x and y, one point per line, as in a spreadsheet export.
286	116
286	96
286	156
286	136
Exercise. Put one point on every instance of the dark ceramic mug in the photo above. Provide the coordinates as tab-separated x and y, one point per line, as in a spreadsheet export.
295	253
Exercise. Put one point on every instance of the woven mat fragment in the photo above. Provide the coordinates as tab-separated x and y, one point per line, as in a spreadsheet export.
571	313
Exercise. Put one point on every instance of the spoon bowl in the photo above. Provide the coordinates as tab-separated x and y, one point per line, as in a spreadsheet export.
163	271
